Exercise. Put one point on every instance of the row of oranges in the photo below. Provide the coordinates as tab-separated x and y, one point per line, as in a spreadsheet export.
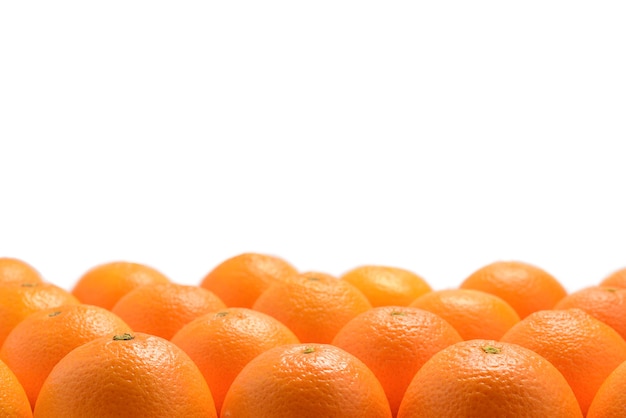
259	338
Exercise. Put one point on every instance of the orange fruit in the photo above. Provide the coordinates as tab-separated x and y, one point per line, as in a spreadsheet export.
314	306
387	286
162	309
133	375
608	304
584	349
13	399
37	343
16	270
18	300
394	342
610	399
239	280
525	287
105	284
222	343
305	381
473	313
615	279
487	378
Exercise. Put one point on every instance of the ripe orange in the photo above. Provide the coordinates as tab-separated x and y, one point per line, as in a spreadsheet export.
13	400
305	381
105	284
162	309
133	375
16	270
37	343
394	342
610	399
525	287
222	343
239	280
387	286
615	279
473	313
584	349
314	306
487	378
608	304
18	300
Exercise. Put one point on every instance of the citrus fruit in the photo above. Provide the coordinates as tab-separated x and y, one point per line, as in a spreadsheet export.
133	375
584	349
313	306
305	381
610	399
16	270
162	309
487	378
615	279
394	342
37	343
473	313
386	285
222	343
13	400
525	287
104	284
239	280
18	300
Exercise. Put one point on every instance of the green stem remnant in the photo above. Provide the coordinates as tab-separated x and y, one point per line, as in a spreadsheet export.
55	313
308	350
490	349
123	337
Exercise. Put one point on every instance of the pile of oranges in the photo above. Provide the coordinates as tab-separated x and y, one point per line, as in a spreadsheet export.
258	338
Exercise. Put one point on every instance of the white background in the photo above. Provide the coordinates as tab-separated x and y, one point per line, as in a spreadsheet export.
437	137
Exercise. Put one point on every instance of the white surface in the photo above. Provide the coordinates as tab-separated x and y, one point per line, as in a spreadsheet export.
436	137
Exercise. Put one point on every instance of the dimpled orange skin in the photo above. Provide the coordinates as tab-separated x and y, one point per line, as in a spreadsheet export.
18	300
37	343
105	284
487	378
584	349
387	286
305	381
314	306
222	343
525	287
13	400
473	313
162	309
394	342
608	304
16	270
239	280
146	376
610	400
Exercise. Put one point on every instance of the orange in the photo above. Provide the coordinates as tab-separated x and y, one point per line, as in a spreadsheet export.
387	286
314	306
615	279
487	378
525	287
473	313
610	399
239	280
161	309
13	399
584	349
222	343
18	300
394	342
305	381
105	284
16	270
608	304
37	343
132	375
